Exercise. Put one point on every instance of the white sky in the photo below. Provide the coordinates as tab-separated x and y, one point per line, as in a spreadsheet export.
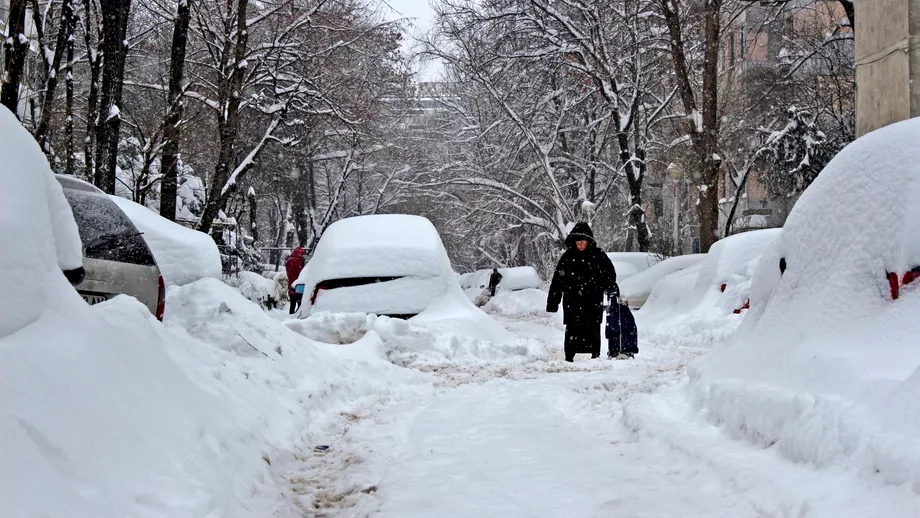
421	19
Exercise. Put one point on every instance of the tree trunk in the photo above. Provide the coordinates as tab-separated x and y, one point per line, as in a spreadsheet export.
172	132
68	98
702	126
300	209
228	120
92	100
643	234
114	55
709	192
60	49
253	217
15	48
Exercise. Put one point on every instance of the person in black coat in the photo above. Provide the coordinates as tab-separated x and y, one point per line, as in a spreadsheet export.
582	277
494	281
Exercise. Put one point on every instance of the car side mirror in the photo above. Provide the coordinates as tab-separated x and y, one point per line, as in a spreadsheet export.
75	276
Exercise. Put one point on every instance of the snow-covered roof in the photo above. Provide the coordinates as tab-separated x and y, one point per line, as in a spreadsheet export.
624	270
183	255
519	278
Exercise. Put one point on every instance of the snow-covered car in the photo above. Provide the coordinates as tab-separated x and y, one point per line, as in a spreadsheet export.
513	279
628	264
636	289
393	265
183	255
716	286
115	256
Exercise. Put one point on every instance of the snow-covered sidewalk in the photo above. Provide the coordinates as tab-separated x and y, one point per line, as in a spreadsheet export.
548	439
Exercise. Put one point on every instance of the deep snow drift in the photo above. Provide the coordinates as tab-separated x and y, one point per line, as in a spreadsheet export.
699	302
38	235
824	368
107	413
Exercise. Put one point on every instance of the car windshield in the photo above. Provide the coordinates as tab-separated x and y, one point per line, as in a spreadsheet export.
105	230
332	284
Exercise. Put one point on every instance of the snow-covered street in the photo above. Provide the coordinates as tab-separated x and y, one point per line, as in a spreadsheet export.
545	439
304	351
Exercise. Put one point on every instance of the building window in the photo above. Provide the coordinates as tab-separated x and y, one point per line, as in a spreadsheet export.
742	44
731	50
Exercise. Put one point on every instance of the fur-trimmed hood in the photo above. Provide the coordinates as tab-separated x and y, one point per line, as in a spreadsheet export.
580	232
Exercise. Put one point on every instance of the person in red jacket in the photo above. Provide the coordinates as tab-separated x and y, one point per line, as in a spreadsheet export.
294	265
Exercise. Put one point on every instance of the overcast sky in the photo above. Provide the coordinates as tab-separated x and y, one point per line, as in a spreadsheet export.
421	19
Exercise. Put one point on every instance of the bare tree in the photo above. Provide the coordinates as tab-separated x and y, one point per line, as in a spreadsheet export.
701	105
52	66
114	44
173	122
15	48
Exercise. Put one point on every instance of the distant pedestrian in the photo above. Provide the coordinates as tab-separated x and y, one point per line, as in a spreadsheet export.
582	277
494	280
294	265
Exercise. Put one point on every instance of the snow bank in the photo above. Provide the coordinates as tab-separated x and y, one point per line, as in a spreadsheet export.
636	289
454	314
183	255
705	297
452	330
257	288
521	302
98	421
824	369
38	235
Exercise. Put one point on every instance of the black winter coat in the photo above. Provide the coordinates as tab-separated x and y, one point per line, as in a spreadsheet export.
581	280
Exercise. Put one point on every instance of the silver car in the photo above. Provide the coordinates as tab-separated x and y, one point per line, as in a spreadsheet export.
116	258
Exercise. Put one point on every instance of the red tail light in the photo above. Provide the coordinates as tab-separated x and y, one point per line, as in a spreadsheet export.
316	293
893	285
161	298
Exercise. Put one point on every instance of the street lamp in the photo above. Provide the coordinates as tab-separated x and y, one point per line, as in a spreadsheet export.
675	172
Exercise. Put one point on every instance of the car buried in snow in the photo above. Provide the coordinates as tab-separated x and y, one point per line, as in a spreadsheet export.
116	258
393	265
